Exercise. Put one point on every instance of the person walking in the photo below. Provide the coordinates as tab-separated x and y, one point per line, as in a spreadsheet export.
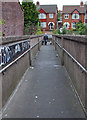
45	38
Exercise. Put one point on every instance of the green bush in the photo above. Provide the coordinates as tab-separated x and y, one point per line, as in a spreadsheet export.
81	28
64	31
71	31
2	22
39	32
55	32
85	32
58	31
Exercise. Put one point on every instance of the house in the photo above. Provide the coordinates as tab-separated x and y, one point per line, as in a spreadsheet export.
48	16
73	14
13	15
86	14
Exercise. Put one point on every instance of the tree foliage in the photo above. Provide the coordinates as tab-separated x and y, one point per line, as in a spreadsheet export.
39	31
31	15
2	22
81	28
64	31
59	15
59	31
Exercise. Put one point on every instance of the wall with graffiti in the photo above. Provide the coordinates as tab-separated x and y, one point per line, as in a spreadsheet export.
7	53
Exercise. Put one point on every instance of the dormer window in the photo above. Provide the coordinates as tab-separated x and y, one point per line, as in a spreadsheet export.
66	16
42	16
75	16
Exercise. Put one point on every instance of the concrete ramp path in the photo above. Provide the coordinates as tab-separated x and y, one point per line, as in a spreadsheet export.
46	91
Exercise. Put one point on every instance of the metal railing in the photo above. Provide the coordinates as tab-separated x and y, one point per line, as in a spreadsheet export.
7	53
19	48
73	59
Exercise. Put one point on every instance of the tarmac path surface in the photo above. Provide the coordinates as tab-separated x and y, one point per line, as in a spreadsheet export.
46	91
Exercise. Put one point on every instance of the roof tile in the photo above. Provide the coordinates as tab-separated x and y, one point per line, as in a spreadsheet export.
71	8
48	8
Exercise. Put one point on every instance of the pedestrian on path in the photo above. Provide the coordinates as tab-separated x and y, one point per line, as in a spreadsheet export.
45	38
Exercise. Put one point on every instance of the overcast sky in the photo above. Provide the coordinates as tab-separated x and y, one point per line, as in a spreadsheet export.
59	3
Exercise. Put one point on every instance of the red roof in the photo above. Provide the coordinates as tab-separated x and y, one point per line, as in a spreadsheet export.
71	8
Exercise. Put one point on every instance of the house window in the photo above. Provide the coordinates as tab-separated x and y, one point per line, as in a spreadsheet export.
86	16
50	15
42	16
43	24
75	16
66	25
66	16
73	25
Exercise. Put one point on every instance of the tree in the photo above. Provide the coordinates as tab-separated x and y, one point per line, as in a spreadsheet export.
31	14
39	31
81	28
59	15
64	31
31	17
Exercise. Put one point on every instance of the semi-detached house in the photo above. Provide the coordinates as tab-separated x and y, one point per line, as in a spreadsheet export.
48	16
73	14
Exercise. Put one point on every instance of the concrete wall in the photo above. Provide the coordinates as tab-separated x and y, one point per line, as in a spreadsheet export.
13	74
77	47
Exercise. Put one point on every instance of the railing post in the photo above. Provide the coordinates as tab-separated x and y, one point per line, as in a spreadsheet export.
55	44
38	45
53	40
30	58
62	58
30	63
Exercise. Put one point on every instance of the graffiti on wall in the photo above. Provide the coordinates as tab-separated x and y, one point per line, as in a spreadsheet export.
7	53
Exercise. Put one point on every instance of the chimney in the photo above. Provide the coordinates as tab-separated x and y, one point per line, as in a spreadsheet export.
81	4
38	4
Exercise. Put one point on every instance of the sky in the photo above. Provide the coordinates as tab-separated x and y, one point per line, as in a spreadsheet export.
59	3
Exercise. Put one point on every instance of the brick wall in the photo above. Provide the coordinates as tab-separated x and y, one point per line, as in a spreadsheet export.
47	20
70	20
67	20
13	15
51	20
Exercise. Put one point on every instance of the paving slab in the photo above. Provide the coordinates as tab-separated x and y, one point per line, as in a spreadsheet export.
46	91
